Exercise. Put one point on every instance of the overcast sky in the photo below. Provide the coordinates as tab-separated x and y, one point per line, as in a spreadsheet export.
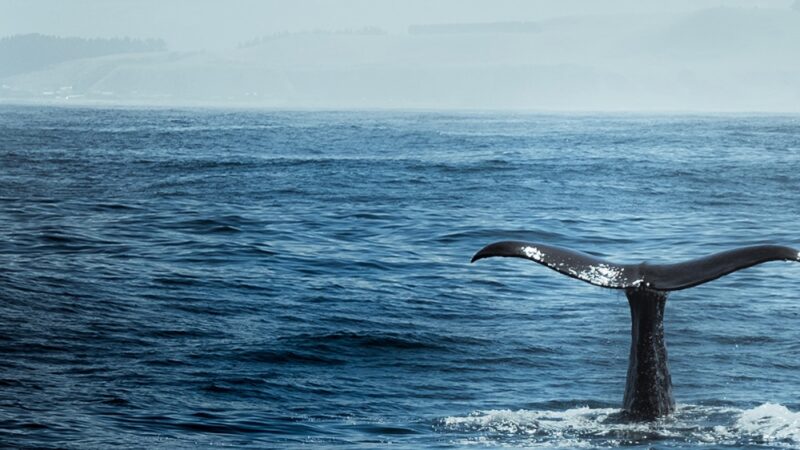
217	24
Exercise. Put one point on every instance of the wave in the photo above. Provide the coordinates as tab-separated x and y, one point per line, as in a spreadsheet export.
586	427
363	340
346	340
771	423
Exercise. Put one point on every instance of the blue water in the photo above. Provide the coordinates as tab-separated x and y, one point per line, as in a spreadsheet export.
192	278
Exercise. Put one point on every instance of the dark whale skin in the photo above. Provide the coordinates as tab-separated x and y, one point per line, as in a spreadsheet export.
648	389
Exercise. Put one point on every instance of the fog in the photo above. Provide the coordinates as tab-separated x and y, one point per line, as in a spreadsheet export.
636	55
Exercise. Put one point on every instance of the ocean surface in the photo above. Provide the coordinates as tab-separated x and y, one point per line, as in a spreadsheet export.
294	280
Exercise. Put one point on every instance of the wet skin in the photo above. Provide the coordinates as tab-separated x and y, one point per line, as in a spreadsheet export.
648	389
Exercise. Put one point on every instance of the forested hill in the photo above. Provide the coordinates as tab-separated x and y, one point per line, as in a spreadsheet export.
24	53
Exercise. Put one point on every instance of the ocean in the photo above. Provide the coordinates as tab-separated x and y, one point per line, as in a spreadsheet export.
192	278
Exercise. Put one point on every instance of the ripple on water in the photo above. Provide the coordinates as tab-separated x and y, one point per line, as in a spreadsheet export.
183	279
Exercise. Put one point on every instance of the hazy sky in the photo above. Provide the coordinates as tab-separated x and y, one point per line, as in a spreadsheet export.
705	55
217	24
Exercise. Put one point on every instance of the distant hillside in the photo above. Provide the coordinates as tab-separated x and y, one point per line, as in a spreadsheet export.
463	28
367	31
715	59
28	52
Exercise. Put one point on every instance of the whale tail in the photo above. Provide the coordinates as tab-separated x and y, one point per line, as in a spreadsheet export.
659	277
648	390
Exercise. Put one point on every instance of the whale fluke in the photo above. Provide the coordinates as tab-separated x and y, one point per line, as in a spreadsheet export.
673	277
582	266
660	277
648	390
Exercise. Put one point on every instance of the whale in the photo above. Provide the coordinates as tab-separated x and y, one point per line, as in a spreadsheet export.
648	389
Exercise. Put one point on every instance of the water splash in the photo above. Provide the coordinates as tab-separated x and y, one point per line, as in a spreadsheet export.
770	423
584	427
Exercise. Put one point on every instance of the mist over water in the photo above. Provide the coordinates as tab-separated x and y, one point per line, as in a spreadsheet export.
512	54
199	278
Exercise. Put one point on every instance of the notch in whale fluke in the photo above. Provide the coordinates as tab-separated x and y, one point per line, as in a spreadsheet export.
661	277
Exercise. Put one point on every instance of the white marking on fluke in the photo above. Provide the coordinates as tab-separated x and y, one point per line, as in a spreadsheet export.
533	253
603	274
